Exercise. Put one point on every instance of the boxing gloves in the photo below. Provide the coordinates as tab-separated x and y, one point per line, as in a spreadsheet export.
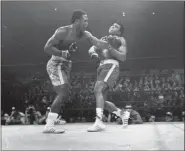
114	41
73	47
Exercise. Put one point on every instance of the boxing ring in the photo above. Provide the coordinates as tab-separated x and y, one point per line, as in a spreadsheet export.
148	136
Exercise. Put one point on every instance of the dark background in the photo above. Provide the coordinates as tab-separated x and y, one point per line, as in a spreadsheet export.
154	40
26	26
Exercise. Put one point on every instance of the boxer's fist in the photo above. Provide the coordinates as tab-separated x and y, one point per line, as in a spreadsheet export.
73	47
114	41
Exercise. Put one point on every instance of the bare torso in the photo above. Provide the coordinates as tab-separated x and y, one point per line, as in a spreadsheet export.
105	53
70	38
64	44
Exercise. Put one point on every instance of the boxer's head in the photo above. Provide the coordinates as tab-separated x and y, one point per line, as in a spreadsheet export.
116	29
128	108
79	19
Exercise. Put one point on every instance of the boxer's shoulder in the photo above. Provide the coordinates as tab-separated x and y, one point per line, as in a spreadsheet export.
62	31
123	41
87	34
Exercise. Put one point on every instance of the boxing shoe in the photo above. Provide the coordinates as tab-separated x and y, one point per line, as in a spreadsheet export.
97	126
53	130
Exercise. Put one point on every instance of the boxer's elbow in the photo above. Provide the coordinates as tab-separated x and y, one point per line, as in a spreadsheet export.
122	57
47	49
123	54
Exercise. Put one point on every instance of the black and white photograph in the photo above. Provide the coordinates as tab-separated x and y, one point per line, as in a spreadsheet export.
92	75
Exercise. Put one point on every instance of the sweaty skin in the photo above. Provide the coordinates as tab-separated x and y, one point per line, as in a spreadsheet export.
67	36
111	53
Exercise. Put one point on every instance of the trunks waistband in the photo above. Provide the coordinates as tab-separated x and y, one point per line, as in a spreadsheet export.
57	58
109	61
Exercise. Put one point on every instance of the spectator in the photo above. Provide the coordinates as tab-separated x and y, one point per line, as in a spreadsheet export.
136	88
31	115
6	117
16	117
3	120
42	117
152	119
183	115
169	117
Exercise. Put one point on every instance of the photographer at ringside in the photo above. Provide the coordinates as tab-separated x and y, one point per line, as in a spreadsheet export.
31	114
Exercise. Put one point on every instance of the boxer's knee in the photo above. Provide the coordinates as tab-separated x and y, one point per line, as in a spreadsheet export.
97	90
62	95
100	87
61	88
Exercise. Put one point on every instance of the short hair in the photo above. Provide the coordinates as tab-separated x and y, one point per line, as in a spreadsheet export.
77	14
128	106
121	26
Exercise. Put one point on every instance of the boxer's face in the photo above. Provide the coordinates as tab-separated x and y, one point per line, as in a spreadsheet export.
83	22
114	29
128	110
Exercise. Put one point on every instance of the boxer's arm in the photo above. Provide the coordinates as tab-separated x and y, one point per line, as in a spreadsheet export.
138	120
121	53
96	42
49	47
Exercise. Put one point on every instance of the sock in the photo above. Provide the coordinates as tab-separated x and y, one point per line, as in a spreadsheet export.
127	114
126	117
99	112
51	119
125	122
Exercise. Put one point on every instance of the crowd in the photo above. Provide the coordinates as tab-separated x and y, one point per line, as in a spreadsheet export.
151	94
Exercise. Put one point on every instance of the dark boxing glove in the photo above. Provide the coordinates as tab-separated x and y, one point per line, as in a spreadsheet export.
114	41
73	47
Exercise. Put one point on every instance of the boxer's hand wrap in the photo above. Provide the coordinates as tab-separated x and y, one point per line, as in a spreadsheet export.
94	56
65	54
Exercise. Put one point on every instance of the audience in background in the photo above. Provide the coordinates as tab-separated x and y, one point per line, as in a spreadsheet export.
151	94
16	117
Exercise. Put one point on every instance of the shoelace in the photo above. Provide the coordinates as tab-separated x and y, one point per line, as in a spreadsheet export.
52	130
